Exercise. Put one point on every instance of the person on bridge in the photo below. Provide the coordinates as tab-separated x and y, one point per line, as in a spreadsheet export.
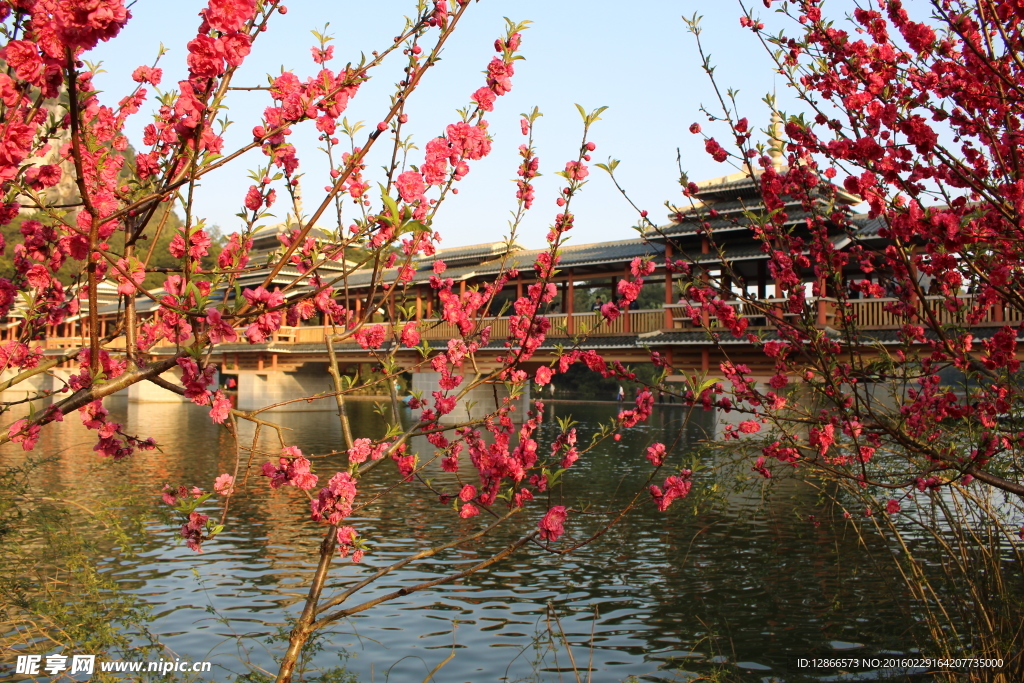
621	395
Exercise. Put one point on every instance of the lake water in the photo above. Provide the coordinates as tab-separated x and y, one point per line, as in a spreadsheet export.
750	582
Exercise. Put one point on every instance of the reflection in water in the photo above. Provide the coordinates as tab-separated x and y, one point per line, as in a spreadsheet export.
747	581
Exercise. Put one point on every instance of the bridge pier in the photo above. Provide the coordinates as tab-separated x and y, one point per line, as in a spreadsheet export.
28	388
260	388
477	402
147	392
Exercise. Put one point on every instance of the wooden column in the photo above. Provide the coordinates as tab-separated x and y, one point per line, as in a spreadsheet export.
705	359
273	361
419	303
762	279
914	301
259	361
627	322
822	310
519	287
569	306
669	323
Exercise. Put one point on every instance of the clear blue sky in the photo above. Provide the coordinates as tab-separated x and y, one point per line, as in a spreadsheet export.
635	58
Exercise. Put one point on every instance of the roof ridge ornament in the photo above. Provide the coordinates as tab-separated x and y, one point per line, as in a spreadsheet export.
777	148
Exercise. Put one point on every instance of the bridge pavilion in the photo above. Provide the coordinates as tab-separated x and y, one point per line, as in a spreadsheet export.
293	362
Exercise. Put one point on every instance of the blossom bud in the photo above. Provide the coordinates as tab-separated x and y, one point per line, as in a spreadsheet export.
382	126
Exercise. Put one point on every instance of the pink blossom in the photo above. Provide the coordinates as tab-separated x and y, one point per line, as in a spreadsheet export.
221	407
543	375
25	435
363	449
192	531
484	99
675	487
292	470
641	267
348	542
224	484
575	170
370	336
750	427
334	502
469	510
228	16
220	330
610	311
411	186
147	74
656	453
253	198
83	23
410	335
551	526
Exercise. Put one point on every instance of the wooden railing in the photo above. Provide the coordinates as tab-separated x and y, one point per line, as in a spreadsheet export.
562	325
761	313
869	314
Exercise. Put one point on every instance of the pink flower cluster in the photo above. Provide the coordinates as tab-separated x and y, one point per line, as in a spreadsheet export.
552	524
334	502
292	470
269	320
675	487
363	449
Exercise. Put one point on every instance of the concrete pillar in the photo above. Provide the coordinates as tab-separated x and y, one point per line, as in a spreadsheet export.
147	392
478	402
258	389
30	387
